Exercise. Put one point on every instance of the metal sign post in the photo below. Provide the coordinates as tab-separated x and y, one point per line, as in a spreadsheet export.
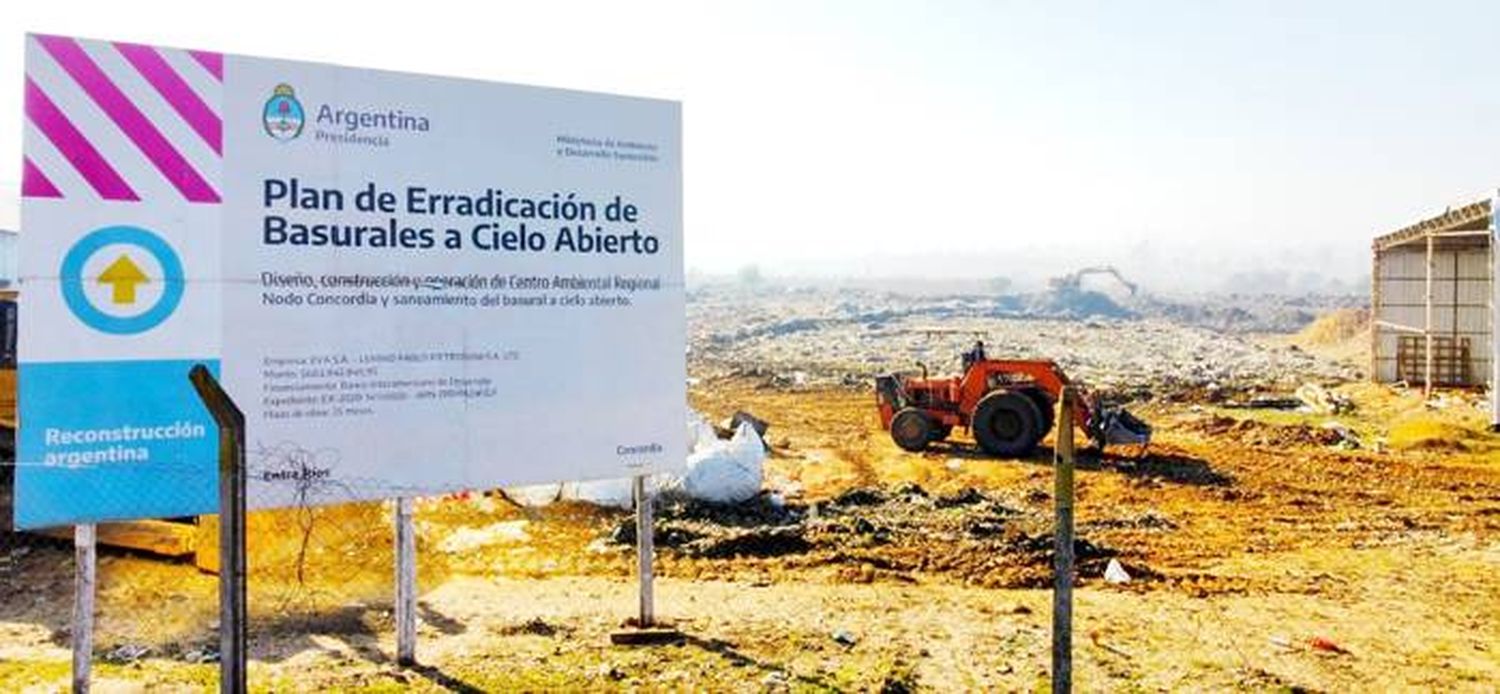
645	631
1062	577
644	540
232	600
83	605
406	585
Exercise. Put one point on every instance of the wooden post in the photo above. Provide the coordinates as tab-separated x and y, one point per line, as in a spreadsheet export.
644	531
83	605
232	590
1427	326
406	585
1375	315
1494	314
1062	570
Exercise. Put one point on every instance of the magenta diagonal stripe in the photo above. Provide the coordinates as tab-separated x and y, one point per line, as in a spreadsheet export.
34	183
74	147
212	62
130	120
176	91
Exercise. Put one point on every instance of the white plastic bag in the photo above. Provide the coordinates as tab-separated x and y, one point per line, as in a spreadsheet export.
726	472
700	433
1114	573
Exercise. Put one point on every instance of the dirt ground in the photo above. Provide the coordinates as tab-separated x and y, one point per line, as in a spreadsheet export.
1266	552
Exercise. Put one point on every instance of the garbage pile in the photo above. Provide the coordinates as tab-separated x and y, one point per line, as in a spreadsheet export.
867	534
822	338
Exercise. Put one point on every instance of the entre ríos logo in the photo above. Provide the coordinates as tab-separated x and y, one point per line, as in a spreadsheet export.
283	114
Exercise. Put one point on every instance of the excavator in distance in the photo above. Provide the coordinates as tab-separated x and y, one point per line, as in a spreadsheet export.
1007	404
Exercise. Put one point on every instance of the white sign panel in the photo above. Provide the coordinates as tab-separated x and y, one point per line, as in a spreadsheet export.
409	284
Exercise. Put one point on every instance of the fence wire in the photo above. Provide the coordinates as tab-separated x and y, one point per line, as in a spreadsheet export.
324	564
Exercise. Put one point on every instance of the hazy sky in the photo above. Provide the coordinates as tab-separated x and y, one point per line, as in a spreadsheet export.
1178	139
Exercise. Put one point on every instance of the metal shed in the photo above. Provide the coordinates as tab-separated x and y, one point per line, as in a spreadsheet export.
1434	303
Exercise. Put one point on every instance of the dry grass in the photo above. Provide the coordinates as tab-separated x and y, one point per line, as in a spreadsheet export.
1342	335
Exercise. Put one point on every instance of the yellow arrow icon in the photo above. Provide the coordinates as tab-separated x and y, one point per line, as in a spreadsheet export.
123	275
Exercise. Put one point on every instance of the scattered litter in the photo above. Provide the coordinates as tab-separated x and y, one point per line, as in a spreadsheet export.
535	626
1319	643
207	654
844	638
1316	398
859	496
775	680
1263	403
600	546
1114	573
127	653
1098	640
966	497
1346	438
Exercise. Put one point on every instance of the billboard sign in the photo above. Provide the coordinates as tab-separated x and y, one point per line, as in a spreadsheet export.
410	284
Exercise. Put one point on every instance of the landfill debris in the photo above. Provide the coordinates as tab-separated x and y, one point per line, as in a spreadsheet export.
740	417
1346	438
1325	645
466	540
775	680
1097	638
844	337
872	535
1263	403
1114	573
535	626
1316	398
127	653
207	654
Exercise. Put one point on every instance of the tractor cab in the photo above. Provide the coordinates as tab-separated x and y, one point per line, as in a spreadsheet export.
973	356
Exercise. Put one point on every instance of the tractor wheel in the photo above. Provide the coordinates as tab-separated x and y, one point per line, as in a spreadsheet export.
1044	406
940	432
911	428
1007	424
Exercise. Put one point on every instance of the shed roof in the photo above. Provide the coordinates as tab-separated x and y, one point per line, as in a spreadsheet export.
1474	216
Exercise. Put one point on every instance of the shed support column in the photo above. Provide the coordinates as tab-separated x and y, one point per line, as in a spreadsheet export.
1494	315
1427	324
1375	316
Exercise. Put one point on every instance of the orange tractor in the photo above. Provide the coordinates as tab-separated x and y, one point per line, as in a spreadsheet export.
1006	403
